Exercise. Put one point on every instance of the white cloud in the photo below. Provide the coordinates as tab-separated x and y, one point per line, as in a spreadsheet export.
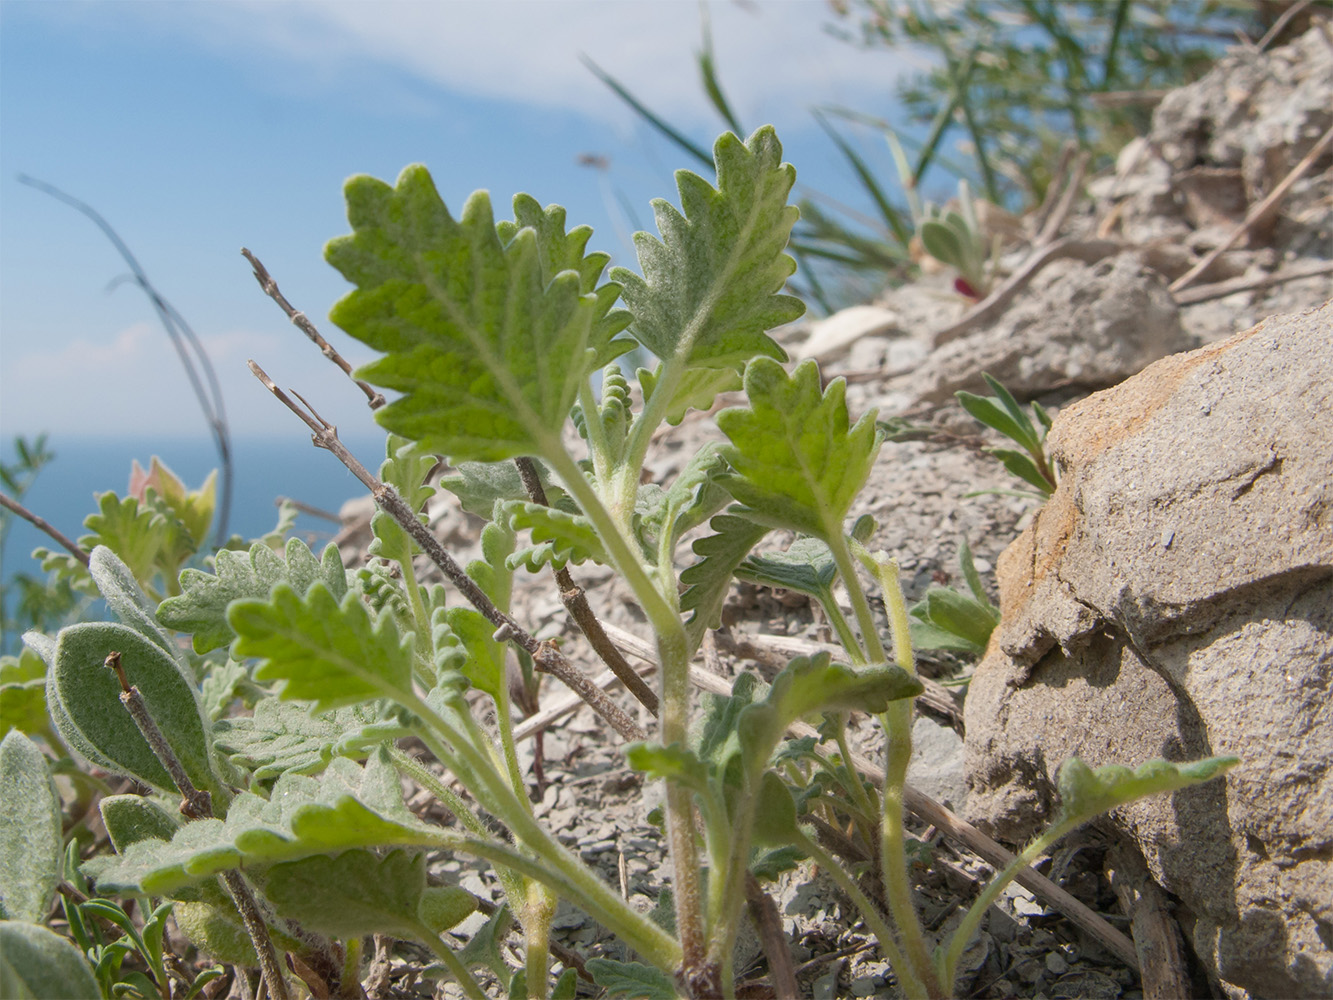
771	54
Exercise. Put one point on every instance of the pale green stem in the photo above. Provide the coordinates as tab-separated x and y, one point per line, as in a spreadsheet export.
865	621
597	446
858	790
948	963
419	615
566	873
846	637
352	950
539	908
909	983
897	723
451	961
452	801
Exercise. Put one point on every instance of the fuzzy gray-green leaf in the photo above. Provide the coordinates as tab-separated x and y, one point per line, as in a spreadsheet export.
712	284
30	838
38	964
90	712
202	608
329	653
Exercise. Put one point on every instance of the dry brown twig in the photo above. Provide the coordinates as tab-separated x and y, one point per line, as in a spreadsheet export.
544	654
41	525
1257	214
302	322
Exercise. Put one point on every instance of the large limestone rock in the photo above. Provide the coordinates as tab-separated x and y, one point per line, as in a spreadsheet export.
1174	598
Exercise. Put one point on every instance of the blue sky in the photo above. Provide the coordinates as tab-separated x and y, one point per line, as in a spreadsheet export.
196	128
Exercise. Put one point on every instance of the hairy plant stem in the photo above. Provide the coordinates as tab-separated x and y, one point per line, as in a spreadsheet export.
896	721
576	603
538	909
558	868
967	929
544	655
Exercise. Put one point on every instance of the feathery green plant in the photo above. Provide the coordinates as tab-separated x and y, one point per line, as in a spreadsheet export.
490	334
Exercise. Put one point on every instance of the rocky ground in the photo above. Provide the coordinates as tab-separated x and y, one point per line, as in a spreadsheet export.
1096	290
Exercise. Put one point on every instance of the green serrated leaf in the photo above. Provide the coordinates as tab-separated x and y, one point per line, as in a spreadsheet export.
806	567
220	686
347	806
31	845
202	608
23	694
560	251
329	653
712	284
631	980
38	964
798	462
692	498
487	355
485	664
137	533
356	893
283	736
478	485
558	537
708	580
84	697
814	684
1085	793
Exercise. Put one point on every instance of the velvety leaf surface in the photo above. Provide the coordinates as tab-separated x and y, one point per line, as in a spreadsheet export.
131	818
798	463
487	354
405	469
560	251
478	485
85	698
354	894
697	389
814	684
126	599
558	537
202	608
711	285
345	807
38	964
631	980
31	846
283	736
329	653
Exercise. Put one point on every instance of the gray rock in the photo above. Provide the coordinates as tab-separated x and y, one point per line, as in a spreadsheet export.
1174	598
1088	325
937	763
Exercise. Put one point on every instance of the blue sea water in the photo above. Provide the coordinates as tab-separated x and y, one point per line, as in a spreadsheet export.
265	468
